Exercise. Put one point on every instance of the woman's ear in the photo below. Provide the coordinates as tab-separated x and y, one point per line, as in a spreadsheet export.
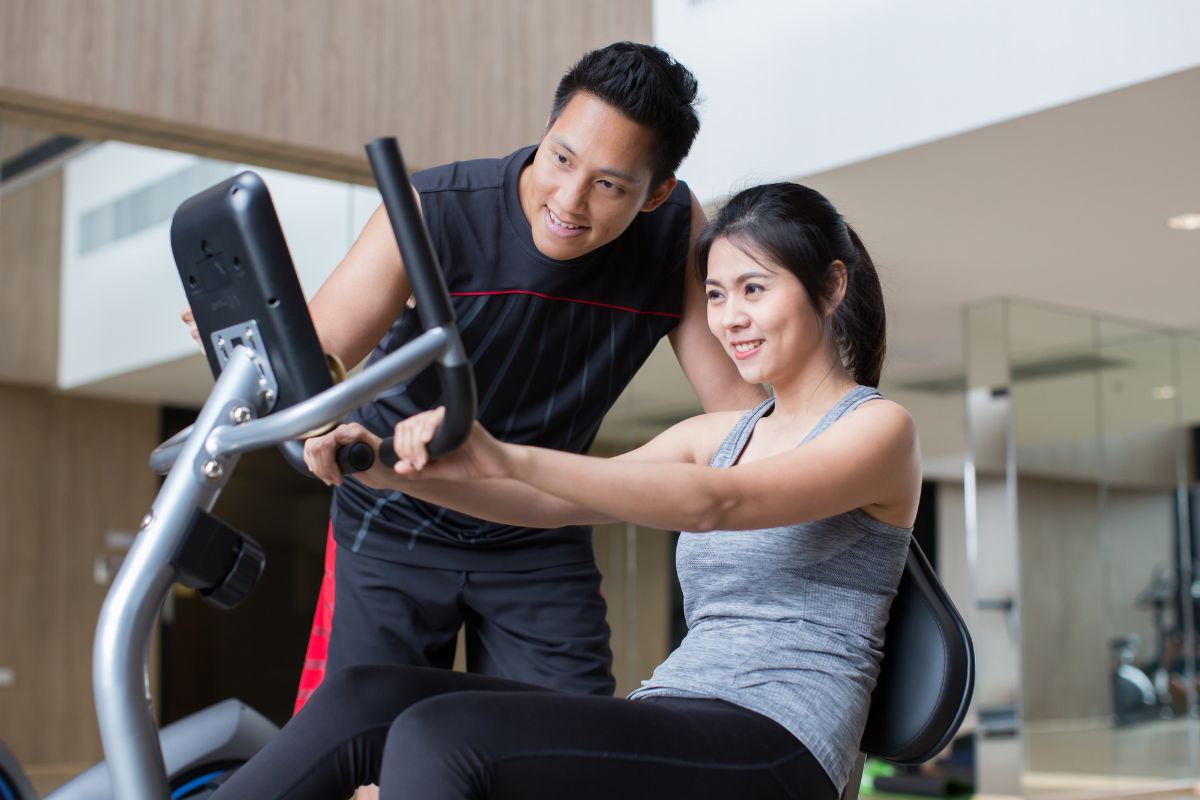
835	287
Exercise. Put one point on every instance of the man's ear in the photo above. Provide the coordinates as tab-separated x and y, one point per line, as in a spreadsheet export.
836	287
659	193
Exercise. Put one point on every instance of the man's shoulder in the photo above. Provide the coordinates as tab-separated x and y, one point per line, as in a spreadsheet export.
478	174
668	226
673	213
680	197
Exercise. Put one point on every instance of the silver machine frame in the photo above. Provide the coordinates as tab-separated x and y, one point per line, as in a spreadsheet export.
198	461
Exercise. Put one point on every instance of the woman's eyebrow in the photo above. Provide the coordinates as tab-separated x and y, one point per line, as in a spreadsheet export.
745	276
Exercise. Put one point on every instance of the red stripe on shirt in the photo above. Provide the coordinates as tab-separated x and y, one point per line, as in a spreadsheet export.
568	300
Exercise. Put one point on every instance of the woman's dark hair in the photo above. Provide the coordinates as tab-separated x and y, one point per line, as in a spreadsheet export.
798	229
646	85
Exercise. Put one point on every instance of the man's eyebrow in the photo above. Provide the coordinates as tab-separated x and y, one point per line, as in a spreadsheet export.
616	173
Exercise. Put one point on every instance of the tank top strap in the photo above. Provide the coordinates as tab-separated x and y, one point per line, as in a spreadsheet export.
850	401
736	439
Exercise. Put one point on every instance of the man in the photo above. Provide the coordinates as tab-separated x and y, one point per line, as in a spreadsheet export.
566	262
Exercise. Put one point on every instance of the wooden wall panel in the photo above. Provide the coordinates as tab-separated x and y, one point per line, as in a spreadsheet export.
75	470
30	247
306	80
15	139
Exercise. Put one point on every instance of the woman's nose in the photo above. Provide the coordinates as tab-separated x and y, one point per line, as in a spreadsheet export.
735	315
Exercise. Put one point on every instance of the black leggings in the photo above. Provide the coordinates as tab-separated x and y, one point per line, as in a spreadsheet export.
433	734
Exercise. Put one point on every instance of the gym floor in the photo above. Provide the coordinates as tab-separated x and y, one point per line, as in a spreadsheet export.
1161	757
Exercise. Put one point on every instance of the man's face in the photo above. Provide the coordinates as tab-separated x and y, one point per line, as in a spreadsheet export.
588	180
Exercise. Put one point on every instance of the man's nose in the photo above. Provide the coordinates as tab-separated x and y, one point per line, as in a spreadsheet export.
572	195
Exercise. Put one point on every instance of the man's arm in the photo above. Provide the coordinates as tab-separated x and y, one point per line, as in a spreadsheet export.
707	367
362	297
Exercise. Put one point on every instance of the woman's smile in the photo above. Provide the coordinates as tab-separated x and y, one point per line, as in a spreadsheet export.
746	348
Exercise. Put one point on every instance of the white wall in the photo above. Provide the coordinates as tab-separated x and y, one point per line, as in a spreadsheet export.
121	302
794	88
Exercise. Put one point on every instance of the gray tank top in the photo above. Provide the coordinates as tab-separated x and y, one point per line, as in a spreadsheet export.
788	621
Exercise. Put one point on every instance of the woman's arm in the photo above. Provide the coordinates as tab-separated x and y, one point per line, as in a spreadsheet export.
868	459
455	483
503	500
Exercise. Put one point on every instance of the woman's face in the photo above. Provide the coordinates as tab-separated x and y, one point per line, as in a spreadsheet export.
761	314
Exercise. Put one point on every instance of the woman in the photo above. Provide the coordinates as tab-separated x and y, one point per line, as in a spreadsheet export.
796	514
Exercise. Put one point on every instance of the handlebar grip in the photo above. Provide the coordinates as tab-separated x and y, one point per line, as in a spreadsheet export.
458	385
357	457
387	453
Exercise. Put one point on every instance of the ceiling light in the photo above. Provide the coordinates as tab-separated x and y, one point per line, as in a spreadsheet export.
1184	222
1164	392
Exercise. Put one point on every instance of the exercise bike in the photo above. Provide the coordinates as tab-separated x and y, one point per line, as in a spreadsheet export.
274	386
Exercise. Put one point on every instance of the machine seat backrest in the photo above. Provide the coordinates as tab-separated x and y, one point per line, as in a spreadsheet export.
13	781
927	674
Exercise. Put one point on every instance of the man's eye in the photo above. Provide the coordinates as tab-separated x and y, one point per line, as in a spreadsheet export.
609	185
560	158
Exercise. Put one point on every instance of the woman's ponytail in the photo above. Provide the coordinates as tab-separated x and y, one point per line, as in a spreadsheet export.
860	322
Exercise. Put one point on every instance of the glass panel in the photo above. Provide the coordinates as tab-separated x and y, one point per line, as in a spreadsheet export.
1141	462
1055	428
1188	542
992	550
1103	420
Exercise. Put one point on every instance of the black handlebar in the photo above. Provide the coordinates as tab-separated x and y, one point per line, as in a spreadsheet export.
432	302
357	457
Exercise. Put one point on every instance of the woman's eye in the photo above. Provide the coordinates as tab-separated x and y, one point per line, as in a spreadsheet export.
560	158
753	288
713	295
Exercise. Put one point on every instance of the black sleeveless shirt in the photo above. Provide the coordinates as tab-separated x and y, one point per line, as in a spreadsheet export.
553	343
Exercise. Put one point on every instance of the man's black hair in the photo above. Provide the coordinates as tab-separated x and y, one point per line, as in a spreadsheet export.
646	85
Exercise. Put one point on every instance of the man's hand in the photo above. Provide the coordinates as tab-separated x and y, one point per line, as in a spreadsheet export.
190	321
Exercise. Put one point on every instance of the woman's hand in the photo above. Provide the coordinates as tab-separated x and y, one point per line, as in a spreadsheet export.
320	454
480	456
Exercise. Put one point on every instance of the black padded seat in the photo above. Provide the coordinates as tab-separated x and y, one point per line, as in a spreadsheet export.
927	674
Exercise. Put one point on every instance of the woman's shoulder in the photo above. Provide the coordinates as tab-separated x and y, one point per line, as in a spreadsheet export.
695	439
885	423
711	430
885	414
